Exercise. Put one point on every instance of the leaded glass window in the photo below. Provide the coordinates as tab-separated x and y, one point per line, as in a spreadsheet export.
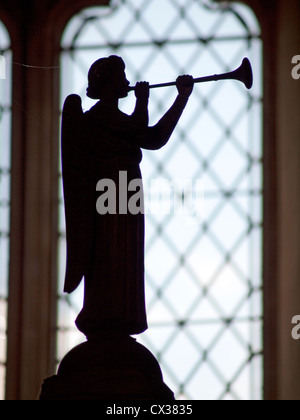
203	265
5	139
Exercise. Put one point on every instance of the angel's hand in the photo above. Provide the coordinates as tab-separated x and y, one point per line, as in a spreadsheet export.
142	91
185	85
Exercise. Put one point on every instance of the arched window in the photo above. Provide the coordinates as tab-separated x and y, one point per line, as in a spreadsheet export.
204	264
5	144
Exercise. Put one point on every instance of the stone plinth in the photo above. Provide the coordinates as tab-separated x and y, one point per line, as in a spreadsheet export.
108	368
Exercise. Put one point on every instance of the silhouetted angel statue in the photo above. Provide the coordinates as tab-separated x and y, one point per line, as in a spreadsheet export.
107	250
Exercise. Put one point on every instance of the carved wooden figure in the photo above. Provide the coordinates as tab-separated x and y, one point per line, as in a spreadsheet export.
107	250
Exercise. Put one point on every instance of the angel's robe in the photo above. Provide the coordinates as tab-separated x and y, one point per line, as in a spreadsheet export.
114	298
107	249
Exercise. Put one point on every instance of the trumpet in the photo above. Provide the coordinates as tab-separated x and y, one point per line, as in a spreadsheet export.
243	74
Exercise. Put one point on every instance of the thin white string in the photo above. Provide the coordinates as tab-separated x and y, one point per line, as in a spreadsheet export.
35	67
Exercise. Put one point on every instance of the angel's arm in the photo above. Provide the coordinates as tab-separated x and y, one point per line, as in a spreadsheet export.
154	138
141	114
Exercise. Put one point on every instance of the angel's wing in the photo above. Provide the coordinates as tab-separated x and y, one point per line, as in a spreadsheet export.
75	169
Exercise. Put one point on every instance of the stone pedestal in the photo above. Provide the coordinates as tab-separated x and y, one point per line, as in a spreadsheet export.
114	368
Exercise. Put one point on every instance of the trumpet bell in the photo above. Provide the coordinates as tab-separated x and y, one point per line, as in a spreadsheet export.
245	73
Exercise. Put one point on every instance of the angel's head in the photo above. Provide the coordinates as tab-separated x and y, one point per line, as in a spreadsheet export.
107	78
